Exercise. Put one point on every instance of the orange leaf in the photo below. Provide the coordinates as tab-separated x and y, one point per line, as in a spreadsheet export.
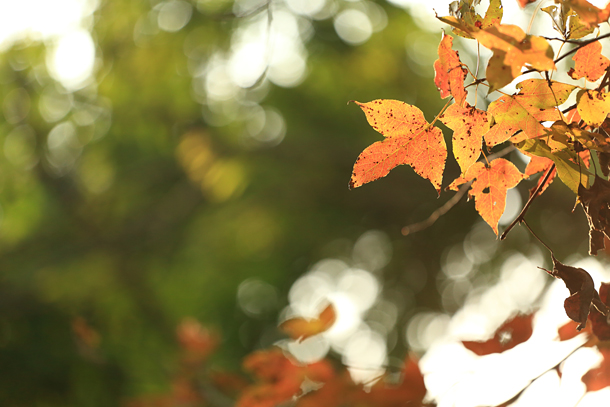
409	140
536	165
449	75
510	334
489	188
587	12
599	378
468	124
590	63
524	3
601	328
301	328
593	106
512	50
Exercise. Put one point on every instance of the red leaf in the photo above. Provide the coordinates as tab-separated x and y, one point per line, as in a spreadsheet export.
409	140
511	333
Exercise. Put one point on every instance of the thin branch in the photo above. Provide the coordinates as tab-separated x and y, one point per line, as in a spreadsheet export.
419	226
521	216
536	236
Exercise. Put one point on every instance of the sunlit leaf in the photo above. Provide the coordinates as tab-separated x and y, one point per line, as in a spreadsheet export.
593	106
489	187
409	140
589	62
512	332
449	74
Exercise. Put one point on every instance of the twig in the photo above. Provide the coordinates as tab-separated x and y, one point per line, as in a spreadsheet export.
521	216
536	236
419	226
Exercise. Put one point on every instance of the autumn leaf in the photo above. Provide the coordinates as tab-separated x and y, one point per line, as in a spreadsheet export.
568	330
449	75
524	3
588	14
512	332
596	204
599	321
593	106
512	50
589	62
465	20
570	166
468	125
582	292
409	140
599	377
197	341
540	164
301	328
489	188
411	390
278	378
534	102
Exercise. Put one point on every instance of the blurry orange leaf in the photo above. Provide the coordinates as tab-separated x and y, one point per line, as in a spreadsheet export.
468	125
449	75
587	12
524	3
593	106
409	140
590	63
301	328
599	378
568	330
489	188
511	333
512	50
197	341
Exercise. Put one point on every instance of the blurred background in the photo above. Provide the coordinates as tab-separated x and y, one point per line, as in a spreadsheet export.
172	159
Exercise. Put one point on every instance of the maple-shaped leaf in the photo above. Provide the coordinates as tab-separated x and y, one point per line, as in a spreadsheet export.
449	75
588	14
468	124
578	29
489	187
582	292
599	321
596	204
302	328
589	62
409	140
570	166
565	133
534	102
512	50
593	106
599	377
540	164
511	333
